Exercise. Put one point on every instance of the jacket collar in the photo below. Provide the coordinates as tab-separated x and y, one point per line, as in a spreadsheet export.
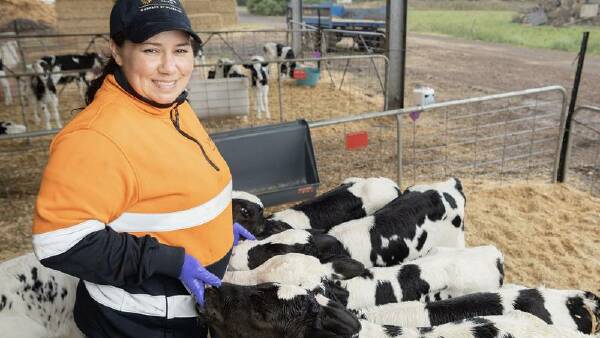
113	84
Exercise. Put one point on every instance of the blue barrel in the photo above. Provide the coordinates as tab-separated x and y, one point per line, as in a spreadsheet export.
312	77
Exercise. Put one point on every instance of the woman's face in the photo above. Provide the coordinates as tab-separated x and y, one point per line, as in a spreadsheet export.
159	68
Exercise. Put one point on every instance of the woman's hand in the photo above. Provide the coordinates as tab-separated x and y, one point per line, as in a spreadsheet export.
239	230
193	276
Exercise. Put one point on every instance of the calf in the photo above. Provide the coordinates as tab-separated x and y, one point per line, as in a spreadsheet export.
10	128
260	81
277	51
272	310
226	68
354	198
36	301
282	269
41	92
87	64
513	325
407	227
249	255
571	309
444	273
5	85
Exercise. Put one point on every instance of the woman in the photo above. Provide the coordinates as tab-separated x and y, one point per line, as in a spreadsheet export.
136	199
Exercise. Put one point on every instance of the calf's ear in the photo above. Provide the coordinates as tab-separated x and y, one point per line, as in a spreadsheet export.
333	320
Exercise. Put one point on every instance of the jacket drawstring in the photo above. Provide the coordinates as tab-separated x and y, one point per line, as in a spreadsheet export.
174	113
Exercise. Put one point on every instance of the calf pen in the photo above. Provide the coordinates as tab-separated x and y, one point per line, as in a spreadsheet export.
514	135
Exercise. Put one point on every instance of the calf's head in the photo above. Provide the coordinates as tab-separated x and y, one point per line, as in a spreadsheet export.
276	311
248	210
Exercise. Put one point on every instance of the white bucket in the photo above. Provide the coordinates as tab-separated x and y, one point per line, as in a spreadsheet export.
424	96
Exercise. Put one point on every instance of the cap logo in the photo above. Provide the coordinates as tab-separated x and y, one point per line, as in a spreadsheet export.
160	4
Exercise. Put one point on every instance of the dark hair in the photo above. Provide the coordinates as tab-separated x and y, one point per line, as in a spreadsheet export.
110	68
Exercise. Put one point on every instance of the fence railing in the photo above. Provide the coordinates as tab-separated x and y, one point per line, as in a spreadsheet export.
513	135
583	150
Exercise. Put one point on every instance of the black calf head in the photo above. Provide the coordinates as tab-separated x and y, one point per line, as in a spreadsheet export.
274	311
249	214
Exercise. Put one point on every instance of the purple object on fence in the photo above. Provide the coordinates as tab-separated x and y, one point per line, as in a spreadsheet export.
316	54
414	115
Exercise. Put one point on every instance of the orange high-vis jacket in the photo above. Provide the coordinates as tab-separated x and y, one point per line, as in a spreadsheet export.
124	191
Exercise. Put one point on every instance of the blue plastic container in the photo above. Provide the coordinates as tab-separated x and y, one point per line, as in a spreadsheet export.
312	77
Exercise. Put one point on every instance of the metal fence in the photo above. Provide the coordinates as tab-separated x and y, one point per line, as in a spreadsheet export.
347	86
514	135
583	154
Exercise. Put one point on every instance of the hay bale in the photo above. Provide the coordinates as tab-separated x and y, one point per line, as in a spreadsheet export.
209	6
85	16
206	21
32	14
196	6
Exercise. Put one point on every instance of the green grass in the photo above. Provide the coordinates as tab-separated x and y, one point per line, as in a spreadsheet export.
497	26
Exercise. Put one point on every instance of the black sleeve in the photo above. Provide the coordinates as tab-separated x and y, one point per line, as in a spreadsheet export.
111	258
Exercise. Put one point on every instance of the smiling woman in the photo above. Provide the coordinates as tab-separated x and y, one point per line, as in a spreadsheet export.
135	200
158	68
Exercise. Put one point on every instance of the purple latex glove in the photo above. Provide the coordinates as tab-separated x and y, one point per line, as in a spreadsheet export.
239	230
193	276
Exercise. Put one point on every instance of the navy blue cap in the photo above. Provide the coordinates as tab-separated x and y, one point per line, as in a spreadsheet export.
139	20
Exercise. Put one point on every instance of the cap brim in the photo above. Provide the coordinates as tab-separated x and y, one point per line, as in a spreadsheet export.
144	32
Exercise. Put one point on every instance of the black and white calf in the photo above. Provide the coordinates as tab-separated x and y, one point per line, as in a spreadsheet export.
284	269
516	324
278	51
443	273
6	92
41	94
260	81
87	64
36	301
249	255
226	68
272	310
9	128
571	309
407	227
355	198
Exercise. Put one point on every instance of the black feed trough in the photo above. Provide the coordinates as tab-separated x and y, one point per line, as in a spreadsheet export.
274	162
